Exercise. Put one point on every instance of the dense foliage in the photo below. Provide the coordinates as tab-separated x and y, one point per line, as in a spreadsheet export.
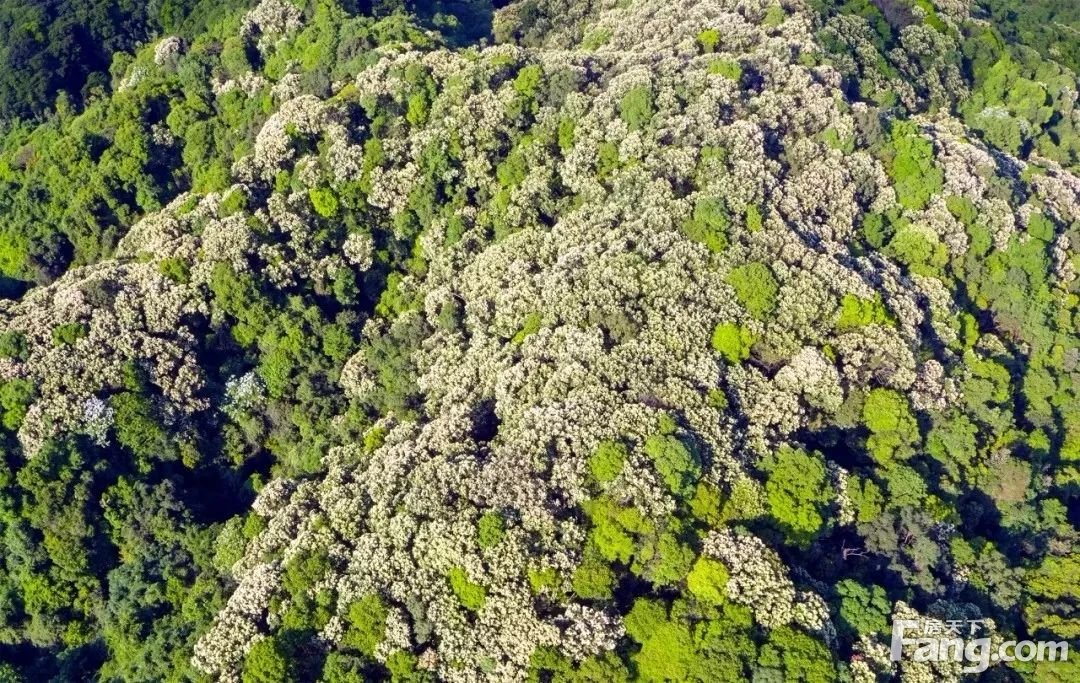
690	340
66	46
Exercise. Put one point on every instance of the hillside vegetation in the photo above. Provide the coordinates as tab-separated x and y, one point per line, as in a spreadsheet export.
688	340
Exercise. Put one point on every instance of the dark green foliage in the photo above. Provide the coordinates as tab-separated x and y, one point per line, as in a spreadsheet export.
1045	25
90	575
13	345
16	395
954	443
904	537
390	357
343	668
798	656
53	48
138	428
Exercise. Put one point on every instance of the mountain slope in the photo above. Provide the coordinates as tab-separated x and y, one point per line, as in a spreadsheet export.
683	340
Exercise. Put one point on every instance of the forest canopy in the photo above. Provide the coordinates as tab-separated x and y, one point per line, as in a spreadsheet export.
694	340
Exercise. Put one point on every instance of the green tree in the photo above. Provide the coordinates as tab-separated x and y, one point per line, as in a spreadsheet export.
912	168
708	224
797	492
490	529
606	463
798	656
366	624
707	581
677	464
732	341
856	312
471	595
755	287
593	579
267	662
16	396
667	648
636	107
865	610
893	429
